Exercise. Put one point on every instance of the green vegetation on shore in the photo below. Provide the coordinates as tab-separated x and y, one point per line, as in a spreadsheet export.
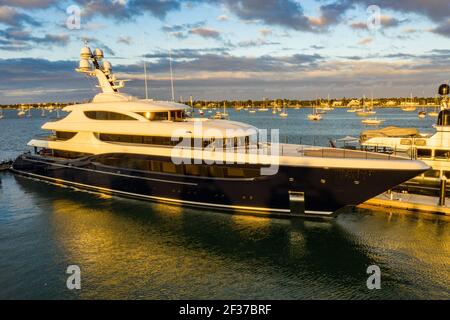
289	103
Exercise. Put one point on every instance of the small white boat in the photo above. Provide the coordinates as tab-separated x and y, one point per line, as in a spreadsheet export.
422	114
218	116
284	113
433	114
314	117
409	108
372	121
21	113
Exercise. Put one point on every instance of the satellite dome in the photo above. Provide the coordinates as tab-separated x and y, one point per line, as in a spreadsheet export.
444	89
98	54
85	53
106	65
84	65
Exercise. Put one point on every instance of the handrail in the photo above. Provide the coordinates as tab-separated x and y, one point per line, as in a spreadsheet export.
323	152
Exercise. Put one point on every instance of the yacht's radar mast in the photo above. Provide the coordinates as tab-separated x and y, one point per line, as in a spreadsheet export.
93	64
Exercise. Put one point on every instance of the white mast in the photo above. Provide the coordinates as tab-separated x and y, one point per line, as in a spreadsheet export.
145	80
171	74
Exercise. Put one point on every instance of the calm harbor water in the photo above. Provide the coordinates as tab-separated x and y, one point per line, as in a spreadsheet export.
130	249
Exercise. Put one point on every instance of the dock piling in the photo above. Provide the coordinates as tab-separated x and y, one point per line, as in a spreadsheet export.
443	191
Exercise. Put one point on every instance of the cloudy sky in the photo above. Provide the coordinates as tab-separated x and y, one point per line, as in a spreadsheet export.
234	49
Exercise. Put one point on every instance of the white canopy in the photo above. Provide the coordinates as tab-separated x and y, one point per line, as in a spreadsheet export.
348	139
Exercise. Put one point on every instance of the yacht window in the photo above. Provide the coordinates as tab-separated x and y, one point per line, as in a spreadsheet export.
160	116
69	154
405	142
441	154
165	141
110	161
214	171
235	172
106	115
155	116
169	167
424	153
156	166
137	164
193	169
62	135
420	142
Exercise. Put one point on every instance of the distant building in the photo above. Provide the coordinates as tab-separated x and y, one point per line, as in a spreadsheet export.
391	103
337	104
354	103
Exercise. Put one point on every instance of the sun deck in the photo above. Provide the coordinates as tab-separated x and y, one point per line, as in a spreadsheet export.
323	152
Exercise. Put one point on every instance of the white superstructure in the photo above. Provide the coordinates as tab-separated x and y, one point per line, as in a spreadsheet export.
433	149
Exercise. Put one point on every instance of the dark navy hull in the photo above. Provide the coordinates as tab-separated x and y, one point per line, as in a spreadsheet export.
293	190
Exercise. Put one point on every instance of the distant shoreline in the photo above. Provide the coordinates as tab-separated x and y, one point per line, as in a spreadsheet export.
34	106
270	104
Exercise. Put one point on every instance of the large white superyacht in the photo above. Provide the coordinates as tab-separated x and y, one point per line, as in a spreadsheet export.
125	146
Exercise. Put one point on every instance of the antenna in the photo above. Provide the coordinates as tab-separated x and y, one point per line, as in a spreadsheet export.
171	74
145	80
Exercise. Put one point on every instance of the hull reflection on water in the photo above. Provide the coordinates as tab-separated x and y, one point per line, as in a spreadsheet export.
132	249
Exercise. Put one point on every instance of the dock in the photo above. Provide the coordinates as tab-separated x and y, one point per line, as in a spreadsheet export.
5	165
410	202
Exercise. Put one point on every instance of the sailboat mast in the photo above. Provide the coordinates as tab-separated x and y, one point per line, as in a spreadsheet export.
171	74
145	80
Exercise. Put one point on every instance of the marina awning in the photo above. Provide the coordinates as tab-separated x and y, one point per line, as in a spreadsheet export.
348	139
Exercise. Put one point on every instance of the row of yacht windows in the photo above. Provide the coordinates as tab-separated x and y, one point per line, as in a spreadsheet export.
158	166
64	135
62	153
152	116
433	153
106	115
167	141
159	116
163	141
